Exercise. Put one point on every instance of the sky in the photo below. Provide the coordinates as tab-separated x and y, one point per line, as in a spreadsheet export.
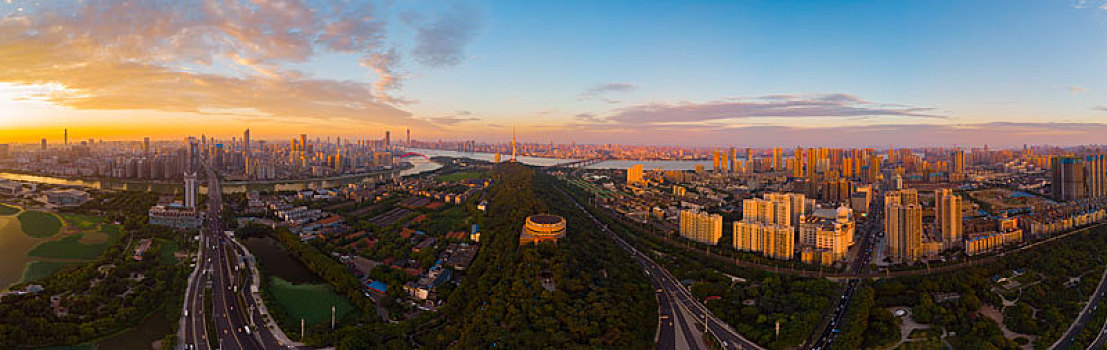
708	73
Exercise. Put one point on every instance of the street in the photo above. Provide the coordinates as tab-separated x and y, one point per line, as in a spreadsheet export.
234	314
681	315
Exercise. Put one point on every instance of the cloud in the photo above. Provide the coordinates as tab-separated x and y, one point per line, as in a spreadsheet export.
196	55
442	42
1076	89
598	92
770	106
1100	108
457	118
1000	134
384	65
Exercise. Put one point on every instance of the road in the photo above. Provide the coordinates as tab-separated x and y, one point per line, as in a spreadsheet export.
681	315
868	231
1082	319
221	268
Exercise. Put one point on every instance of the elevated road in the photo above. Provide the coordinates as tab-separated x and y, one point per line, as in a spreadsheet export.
681	316
233	312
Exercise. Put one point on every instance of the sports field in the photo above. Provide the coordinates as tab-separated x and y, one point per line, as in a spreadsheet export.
311	302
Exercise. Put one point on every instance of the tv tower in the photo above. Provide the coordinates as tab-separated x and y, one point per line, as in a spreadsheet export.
513	144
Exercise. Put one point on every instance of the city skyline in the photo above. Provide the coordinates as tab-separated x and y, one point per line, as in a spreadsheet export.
752	74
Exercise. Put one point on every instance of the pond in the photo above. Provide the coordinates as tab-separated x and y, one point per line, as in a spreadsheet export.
277	262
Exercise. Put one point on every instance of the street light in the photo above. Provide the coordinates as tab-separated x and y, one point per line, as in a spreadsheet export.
705	311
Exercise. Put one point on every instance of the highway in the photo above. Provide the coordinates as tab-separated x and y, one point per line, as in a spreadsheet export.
1082	319
232	308
868	230
681	315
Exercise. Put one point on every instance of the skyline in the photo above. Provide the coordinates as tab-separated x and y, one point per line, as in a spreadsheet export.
754	74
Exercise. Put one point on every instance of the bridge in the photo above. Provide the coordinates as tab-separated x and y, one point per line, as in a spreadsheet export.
412	154
577	164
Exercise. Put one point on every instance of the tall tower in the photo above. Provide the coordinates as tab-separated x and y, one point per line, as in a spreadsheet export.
246	141
408	142
191	185
387	139
145	145
65	136
512	144
303	143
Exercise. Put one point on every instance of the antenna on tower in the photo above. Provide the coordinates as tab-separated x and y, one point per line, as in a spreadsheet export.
513	144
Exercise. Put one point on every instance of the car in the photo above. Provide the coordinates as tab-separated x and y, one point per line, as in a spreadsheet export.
186	313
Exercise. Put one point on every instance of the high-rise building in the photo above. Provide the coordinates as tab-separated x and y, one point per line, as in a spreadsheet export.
387	139
246	141
635	175
44	144
407	143
718	163
1068	178
1095	176
701	226
4	151
145	145
304	143
65	137
778	156
731	160
191	187
903	225
957	162
749	160
947	210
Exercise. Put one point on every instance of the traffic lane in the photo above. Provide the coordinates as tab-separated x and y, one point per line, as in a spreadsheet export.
1078	324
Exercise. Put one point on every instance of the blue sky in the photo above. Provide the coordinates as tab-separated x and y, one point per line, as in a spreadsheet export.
703	73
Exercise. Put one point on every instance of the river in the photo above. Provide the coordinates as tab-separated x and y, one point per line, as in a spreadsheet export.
419	165
540	161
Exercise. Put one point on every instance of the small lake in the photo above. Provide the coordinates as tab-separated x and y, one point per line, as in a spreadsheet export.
276	262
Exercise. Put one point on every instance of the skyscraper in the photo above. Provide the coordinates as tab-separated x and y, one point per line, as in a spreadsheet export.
303	143
407	143
387	139
732	161
635	175
1095	176
512	144
749	160
903	225
65	137
957	162
778	156
145	145
1068	178
947	210
246	141
44	144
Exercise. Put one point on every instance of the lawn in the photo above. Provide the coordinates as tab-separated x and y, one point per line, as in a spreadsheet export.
37	270
69	247
460	176
82	222
311	302
166	254
7	209
39	224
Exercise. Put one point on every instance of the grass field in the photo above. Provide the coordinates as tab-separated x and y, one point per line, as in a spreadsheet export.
39	224
37	270
460	176
312	302
69	247
166	254
82	222
7	210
